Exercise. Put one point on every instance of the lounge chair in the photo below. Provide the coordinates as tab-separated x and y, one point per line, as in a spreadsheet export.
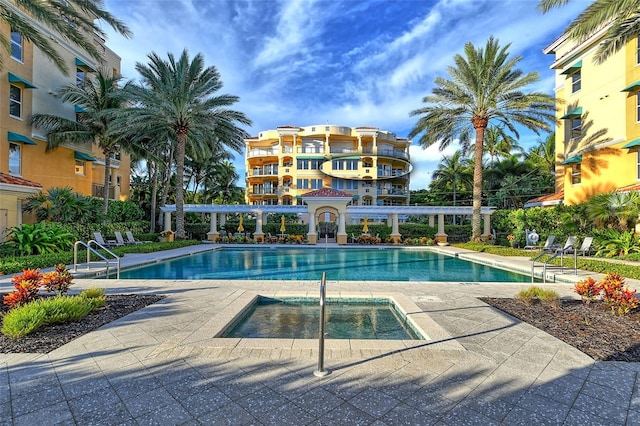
549	244
569	245
132	240
97	236
119	238
585	248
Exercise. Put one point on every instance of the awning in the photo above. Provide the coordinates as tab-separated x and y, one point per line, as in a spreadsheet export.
81	63
78	108
17	137
632	87
82	156
574	113
634	143
573	160
15	79
573	68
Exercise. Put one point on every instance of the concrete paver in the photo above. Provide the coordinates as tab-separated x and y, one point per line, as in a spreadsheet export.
162	365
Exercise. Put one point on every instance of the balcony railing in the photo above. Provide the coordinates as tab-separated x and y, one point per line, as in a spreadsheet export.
263	191
262	152
264	172
310	150
392	192
391	173
393	153
98	191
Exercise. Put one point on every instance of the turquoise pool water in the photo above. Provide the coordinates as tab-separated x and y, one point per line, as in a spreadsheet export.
344	319
389	264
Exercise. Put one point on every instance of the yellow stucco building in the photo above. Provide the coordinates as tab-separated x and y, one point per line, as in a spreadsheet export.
598	130
28	80
370	164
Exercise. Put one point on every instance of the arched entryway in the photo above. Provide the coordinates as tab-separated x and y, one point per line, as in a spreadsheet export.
327	223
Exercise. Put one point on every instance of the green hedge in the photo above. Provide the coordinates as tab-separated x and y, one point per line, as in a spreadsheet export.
12	265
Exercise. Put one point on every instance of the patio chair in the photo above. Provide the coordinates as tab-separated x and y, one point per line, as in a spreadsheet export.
549	245
569	245
585	248
119	238
132	240
97	236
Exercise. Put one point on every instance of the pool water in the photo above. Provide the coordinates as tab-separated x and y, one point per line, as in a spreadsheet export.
389	264
299	319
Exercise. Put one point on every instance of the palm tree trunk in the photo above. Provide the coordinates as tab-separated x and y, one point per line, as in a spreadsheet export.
180	153
167	182
107	175
152	167
480	124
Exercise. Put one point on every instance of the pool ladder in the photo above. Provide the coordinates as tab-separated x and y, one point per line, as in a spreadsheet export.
559	252
90	250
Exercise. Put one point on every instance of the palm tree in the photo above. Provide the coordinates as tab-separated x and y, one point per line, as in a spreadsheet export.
221	184
176	98
614	209
619	17
99	99
498	144
543	155
73	20
452	172
485	87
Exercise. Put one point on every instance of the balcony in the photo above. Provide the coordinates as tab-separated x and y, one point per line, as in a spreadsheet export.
263	191
258	152
310	150
392	173
393	192
393	153
98	191
265	171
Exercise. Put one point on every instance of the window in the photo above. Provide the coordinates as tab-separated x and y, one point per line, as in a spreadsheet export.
638	107
351	184
80	167
80	76
576	174
303	164
15	101
15	159
576	81
316	183
576	127
16	46
338	165
337	183
316	164
352	164
303	183
326	128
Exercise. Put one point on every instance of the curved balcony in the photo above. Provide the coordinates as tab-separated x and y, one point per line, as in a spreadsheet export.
393	153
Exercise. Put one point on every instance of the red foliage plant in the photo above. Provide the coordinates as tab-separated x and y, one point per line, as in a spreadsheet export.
26	286
615	294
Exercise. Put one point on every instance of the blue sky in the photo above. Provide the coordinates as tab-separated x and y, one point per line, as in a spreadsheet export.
352	63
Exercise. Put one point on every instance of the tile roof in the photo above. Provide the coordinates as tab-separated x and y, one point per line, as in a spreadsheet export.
15	180
549	197
632	187
327	192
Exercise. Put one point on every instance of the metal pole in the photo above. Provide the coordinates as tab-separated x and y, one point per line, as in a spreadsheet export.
321	372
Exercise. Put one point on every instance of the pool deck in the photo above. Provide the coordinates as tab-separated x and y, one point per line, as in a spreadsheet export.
160	365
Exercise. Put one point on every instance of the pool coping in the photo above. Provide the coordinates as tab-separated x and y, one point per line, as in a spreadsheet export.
204	337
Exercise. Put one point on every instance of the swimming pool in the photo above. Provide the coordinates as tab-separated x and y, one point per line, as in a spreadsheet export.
366	264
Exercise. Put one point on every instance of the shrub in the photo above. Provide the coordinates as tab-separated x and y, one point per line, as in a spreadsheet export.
57	280
27	285
535	294
40	238
94	293
621	299
54	310
588	289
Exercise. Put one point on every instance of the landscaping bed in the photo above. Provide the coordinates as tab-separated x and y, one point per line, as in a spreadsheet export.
592	328
53	336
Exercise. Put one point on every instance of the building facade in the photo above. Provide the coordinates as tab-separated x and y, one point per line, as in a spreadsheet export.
598	130
370	164
28	80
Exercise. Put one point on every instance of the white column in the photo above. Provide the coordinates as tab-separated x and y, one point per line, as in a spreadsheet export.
394	224
441	237
390	219
342	224
259	220
312	224
213	227
487	224
432	221
167	221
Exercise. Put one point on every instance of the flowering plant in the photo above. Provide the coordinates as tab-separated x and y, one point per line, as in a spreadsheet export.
166	233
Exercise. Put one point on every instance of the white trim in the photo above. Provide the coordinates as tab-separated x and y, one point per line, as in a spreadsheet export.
595	147
12	189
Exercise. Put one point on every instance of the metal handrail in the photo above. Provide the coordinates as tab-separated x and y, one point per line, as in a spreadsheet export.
321	371
558	252
97	253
